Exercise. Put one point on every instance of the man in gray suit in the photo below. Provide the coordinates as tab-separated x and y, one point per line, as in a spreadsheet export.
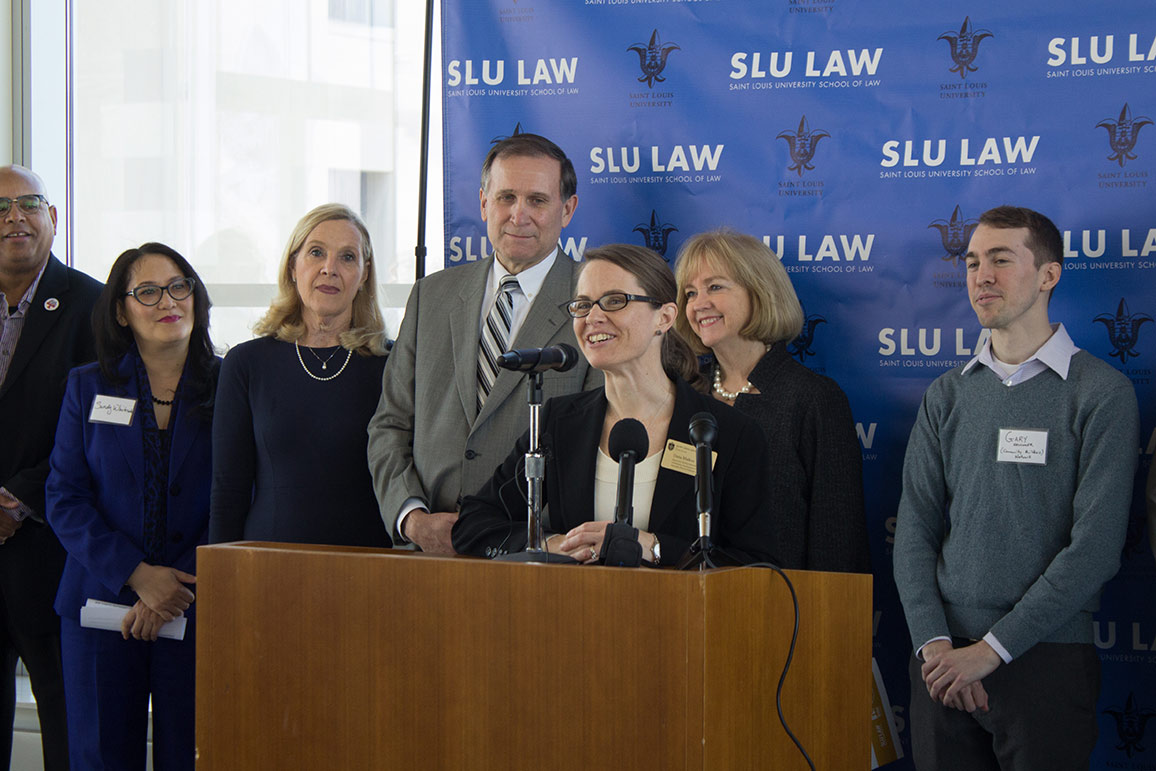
447	419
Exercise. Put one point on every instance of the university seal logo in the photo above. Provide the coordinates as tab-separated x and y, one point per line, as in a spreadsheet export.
1123	330
955	234
1122	134
800	347
802	142
964	46
656	233
652	58
1130	722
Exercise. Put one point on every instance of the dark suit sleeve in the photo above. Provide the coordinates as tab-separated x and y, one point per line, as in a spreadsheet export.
829	450
495	517
71	495
234	452
27	484
745	526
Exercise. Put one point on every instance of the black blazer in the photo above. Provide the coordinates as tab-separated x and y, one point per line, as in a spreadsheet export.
571	428
51	343
815	465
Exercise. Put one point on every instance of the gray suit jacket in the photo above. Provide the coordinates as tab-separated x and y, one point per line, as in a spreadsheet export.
427	439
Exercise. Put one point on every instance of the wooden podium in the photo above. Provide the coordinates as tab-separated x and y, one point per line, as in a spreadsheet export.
312	657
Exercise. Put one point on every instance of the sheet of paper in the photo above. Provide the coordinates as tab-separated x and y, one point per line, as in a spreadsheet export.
98	614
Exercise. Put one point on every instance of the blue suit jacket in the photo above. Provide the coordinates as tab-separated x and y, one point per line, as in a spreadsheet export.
95	492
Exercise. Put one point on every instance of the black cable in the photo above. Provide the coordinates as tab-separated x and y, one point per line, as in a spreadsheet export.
790	654
502	499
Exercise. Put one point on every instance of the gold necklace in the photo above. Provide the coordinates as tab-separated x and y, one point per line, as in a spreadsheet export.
348	356
325	363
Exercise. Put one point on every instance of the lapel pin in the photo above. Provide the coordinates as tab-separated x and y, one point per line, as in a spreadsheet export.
51	304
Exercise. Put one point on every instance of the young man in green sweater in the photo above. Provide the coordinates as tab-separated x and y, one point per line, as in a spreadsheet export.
1016	489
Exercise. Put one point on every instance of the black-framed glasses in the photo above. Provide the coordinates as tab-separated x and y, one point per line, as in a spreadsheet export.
150	295
29	203
609	302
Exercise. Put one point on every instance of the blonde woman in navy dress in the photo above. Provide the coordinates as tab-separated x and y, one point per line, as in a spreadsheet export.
290	435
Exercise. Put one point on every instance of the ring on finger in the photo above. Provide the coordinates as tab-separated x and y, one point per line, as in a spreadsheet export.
593	552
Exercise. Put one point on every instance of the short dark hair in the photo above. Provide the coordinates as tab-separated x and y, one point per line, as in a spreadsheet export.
657	281
1043	239
532	145
113	340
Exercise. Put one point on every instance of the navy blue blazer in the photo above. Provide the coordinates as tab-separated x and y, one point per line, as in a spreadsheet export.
95	492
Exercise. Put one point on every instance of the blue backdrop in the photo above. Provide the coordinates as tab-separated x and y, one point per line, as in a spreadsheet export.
861	140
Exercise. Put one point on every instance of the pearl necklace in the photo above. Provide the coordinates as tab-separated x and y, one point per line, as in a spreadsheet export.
348	356
718	386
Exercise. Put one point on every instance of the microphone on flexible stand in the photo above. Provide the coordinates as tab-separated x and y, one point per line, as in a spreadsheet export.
559	358
627	443
535	361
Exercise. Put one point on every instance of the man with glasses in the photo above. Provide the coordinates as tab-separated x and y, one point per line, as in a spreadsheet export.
45	330
448	415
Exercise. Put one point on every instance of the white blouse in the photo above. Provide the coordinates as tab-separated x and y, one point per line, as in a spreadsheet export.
606	488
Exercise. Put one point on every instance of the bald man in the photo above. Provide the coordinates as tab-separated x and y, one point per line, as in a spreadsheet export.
45	330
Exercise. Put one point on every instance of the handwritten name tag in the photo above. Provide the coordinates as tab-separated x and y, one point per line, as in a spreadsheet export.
1020	445
679	456
112	409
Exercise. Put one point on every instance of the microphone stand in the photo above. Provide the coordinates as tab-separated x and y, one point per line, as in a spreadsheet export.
535	550
703	554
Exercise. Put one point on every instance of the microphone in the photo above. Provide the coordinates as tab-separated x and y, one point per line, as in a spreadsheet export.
702	553
627	443
559	357
703	430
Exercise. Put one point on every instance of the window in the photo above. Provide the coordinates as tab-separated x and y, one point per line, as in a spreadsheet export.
212	126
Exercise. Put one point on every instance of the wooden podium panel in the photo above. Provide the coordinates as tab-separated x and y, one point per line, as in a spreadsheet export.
316	657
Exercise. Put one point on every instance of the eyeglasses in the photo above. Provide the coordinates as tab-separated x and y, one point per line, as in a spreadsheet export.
610	302
29	203
151	295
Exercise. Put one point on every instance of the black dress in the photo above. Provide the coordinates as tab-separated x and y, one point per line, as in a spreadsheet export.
289	451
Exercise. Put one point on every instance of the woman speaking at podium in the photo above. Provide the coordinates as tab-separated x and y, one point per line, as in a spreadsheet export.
623	317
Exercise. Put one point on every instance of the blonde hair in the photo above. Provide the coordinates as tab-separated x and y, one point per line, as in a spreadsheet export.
366	333
776	314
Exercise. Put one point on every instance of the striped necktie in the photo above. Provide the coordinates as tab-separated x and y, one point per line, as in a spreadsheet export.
495	338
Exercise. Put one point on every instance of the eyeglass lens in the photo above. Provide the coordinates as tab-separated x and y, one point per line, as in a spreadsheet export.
28	203
151	295
615	301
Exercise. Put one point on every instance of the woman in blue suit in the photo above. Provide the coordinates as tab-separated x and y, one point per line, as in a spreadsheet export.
128	496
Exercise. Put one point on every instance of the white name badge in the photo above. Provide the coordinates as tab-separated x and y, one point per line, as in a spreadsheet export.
1021	445
112	409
